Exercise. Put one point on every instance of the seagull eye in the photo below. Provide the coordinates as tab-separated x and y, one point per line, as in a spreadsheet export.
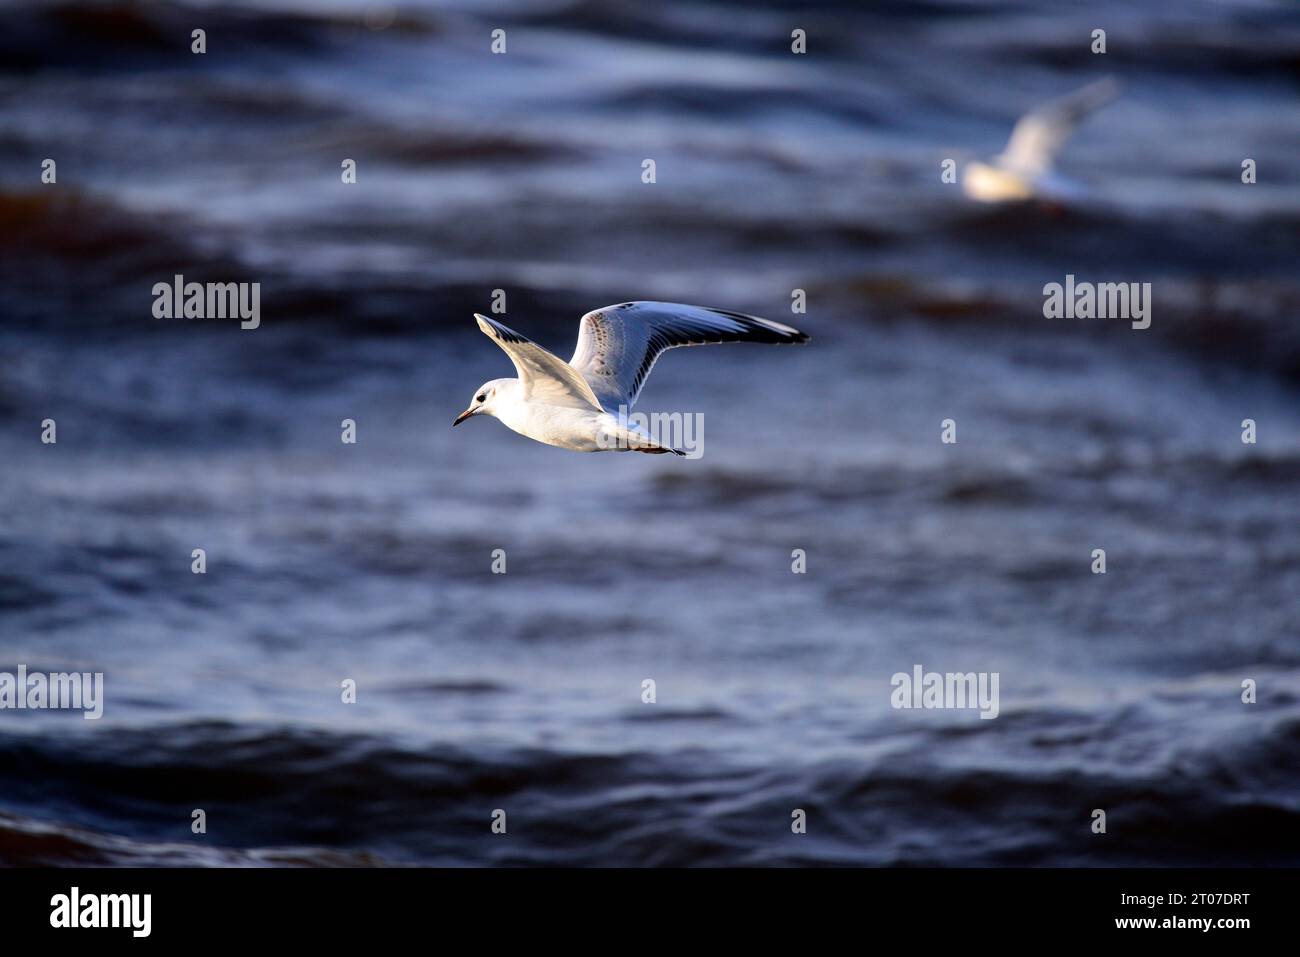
481	397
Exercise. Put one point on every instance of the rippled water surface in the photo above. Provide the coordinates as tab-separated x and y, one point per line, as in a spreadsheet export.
522	172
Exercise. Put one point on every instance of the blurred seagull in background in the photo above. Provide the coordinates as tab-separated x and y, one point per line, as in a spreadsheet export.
1023	171
582	404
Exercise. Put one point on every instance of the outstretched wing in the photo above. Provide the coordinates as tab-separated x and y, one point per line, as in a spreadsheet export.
546	378
1040	133
618	345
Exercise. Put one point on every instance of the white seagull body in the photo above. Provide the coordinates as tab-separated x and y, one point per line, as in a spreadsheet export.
582	404
1024	170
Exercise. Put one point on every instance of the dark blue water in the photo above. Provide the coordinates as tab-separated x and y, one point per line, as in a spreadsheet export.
522	691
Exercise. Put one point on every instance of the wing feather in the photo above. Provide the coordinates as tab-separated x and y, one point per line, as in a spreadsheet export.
1039	135
546	378
619	345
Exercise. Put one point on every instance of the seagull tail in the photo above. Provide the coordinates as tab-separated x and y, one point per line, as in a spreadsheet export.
634	440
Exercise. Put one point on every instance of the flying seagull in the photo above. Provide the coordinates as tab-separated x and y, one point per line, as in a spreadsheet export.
582	404
1023	170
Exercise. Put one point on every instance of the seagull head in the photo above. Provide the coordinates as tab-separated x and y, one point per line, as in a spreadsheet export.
484	400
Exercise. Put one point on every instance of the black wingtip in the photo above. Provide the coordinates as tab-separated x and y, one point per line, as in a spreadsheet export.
766	330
